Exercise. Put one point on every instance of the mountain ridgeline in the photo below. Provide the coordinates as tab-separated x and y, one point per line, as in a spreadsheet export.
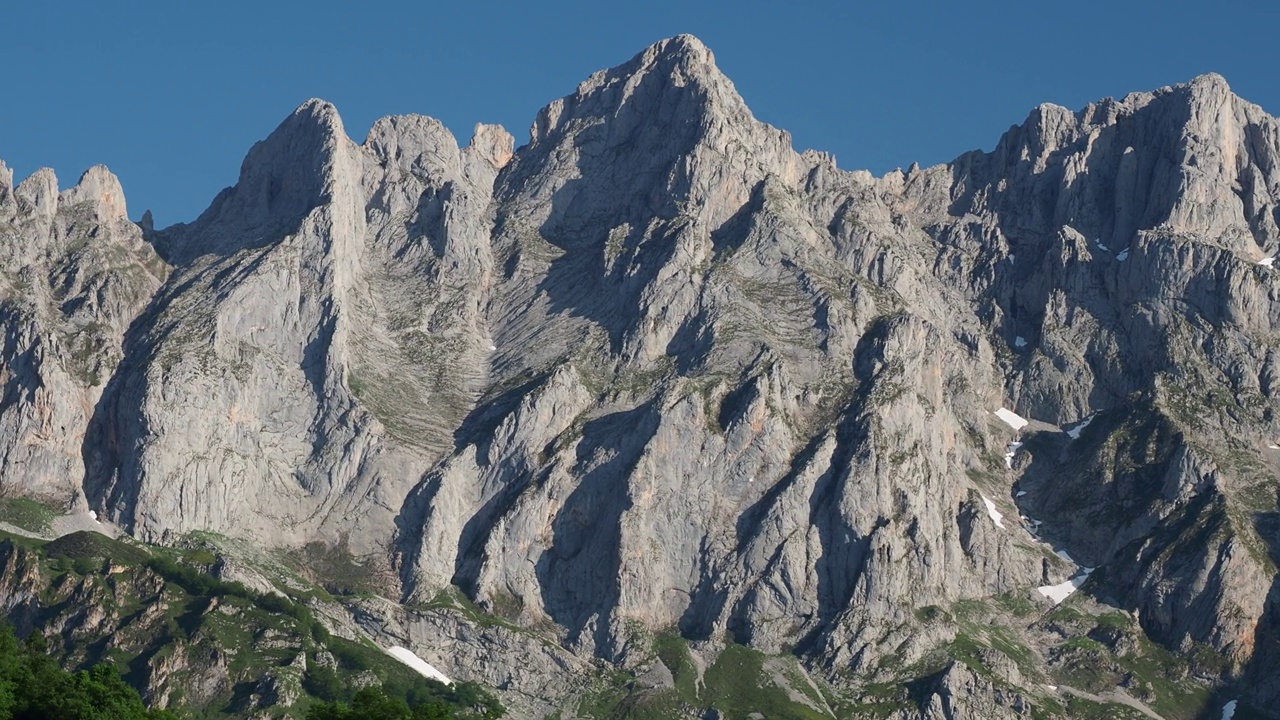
654	404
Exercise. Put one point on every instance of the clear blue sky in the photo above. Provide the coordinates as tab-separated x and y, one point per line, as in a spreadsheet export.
170	94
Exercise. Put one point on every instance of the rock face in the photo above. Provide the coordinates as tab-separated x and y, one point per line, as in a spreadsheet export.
74	275
299	362
656	371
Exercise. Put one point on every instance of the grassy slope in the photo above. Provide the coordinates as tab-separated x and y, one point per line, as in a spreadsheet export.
167	623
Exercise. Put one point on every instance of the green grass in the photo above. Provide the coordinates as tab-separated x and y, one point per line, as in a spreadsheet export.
1016	603
88	545
673	651
970	610
1115	621
1081	709
335	569
874	705
931	613
30	515
654	705
1156	676
160	602
1159	670
737	686
21	541
453	598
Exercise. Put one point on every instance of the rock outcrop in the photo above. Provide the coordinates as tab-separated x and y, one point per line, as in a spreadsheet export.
74	275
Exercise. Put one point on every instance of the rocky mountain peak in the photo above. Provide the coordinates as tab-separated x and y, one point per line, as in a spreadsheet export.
1209	85
493	144
294	164
7	208
282	178
413	143
1229	152
98	187
101	188
40	191
685	58
674	77
666	128
1191	158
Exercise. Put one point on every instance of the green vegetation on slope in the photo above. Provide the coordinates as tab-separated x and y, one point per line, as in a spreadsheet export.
34	687
27	514
376	704
201	645
741	684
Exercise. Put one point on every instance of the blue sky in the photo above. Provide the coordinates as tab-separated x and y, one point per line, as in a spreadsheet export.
171	95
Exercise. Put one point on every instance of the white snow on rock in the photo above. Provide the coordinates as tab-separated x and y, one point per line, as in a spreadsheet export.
1268	262
1063	554
1273	446
1074	433
1021	493
492	348
991	510
1229	710
1008	456
1020	342
1101	246
1013	419
423	667
1011	258
94	515
1061	591
1032	527
1124	255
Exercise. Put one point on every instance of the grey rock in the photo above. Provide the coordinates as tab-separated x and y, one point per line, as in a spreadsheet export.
959	692
74	274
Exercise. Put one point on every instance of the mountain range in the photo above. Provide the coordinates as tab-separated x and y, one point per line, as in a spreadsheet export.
655	416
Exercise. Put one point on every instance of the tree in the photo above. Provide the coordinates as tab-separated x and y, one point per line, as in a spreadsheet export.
34	687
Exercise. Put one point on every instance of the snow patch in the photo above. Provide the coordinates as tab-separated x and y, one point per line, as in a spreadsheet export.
1268	262
992	511
1074	433
1008	456
1124	255
1273	446
1229	710
492	348
423	667
1021	493
1063	554
1011	258
1101	246
1061	591
1013	419
1052	687
94	515
1020	342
